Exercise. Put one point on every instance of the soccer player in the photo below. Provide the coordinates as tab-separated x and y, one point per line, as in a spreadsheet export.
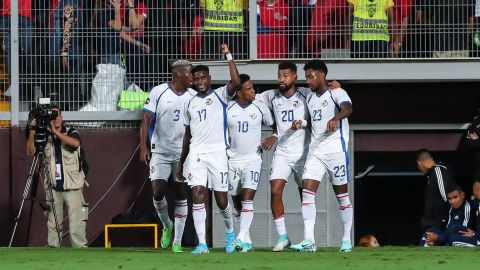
328	152
244	118
205	143
162	123
288	103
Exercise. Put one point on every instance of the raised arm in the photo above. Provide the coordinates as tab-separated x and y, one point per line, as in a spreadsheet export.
234	82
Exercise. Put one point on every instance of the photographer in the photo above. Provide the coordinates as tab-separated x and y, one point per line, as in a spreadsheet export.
63	173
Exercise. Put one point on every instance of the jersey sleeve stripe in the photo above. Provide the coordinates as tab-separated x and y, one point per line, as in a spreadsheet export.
300	93
232	105
223	103
467	214
438	172
147	110
263	117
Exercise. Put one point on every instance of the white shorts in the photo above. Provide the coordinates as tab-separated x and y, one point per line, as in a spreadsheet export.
334	166
244	174
209	170
163	165
283	167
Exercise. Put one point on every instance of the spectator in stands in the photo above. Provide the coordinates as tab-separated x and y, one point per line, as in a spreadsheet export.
368	241
272	23
224	23
450	25
191	24
26	28
402	10
370	36
67	48
298	25
476	190
472	143
107	39
439	178
461	226
130	19
328	28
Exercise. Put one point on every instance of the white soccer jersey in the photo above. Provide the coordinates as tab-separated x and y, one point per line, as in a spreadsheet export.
285	110
166	128
207	118
322	109
245	129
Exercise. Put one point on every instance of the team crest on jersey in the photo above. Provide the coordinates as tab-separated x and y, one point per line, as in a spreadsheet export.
324	103
152	170
208	101
253	115
296	103
147	101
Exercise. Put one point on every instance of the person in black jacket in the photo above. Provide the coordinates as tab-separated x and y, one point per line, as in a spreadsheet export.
462	223
472	144
439	178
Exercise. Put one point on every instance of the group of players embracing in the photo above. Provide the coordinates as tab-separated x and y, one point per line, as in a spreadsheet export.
211	139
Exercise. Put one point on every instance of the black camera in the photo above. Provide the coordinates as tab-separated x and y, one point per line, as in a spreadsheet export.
42	114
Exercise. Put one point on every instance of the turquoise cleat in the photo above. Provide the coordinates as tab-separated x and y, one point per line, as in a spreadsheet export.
229	242
238	244
201	249
346	246
247	247
305	246
282	243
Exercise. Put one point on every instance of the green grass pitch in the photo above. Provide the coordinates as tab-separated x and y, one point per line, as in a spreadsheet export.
263	259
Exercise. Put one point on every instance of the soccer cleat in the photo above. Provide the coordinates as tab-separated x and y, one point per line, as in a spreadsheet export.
247	247
177	248
238	244
166	236
229	242
282	243
201	249
305	246
346	246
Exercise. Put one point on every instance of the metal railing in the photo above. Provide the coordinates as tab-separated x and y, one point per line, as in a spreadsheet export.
82	54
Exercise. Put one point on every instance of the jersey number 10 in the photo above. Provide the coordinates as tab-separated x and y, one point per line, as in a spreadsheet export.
242	126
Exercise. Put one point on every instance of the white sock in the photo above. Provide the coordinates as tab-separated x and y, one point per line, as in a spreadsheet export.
346	214
227	218
309	213
246	217
199	217
236	218
181	212
162	211
247	238
280	225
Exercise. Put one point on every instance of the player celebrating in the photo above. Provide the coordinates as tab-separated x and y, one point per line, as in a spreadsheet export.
288	103
205	143
327	152
244	118
164	108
